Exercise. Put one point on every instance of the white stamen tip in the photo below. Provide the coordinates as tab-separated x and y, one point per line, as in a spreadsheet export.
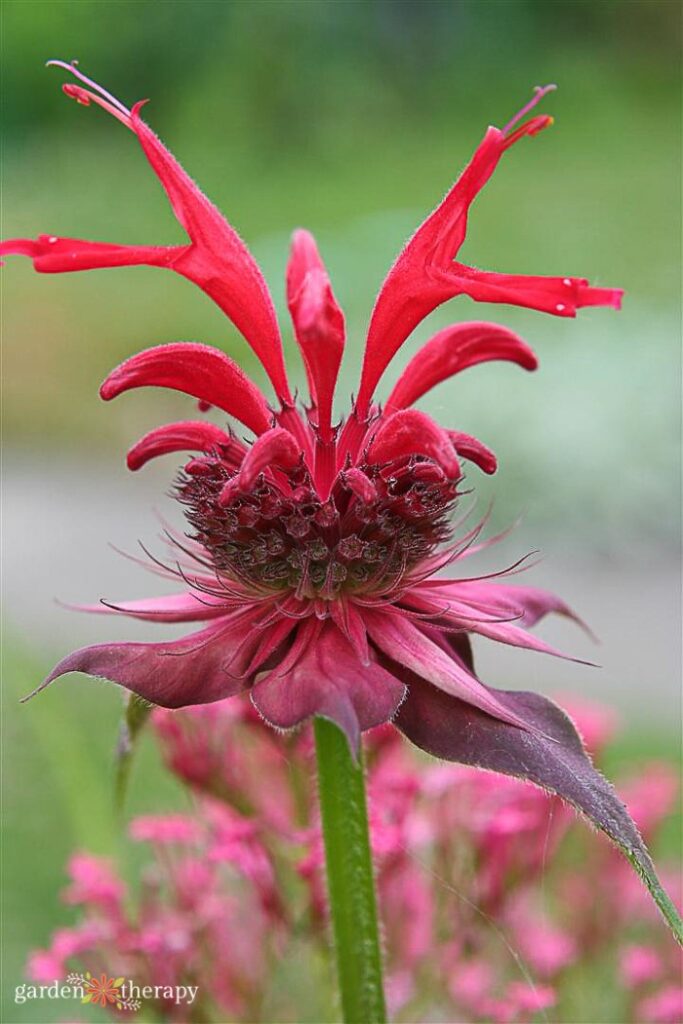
52	239
560	307
567	282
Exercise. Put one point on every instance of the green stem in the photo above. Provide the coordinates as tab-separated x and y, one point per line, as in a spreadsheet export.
350	881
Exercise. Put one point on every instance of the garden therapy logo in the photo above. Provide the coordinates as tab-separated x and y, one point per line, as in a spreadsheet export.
104	991
122	994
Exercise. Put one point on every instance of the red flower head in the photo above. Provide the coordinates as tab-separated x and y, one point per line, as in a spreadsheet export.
315	550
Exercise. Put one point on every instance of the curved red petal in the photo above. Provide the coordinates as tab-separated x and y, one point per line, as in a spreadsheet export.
318	324
424	275
531	603
452	350
277	448
411	290
409	432
188	435
359	483
217	259
474	450
197	370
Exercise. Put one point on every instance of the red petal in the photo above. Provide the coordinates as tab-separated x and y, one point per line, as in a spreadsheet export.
414	287
561	296
197	370
359	483
409	432
218	260
275	448
190	435
530	603
474	451
424	275
349	621
53	255
454	349
318	324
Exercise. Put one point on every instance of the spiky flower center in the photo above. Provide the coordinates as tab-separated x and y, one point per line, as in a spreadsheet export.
281	535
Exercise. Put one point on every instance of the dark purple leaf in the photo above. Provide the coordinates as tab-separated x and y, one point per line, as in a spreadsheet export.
552	756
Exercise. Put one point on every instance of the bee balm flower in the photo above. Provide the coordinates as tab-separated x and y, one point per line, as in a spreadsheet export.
314	558
314	552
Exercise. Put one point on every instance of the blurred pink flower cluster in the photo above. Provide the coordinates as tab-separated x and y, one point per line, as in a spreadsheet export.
493	904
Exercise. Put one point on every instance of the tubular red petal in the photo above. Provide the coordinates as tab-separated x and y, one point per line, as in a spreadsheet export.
217	259
197	370
409	432
424	275
275	448
318	324
414	287
452	350
189	435
358	482
474	451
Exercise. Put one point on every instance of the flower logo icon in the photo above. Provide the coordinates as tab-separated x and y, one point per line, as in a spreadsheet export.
104	991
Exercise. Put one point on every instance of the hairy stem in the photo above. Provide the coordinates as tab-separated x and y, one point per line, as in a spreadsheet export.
350	881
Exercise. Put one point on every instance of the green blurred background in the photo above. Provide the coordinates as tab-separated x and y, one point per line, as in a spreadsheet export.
351	119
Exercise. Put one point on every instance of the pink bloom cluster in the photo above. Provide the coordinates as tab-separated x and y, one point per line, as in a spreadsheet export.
471	933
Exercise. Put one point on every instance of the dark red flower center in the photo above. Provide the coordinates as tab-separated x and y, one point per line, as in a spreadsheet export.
281	535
